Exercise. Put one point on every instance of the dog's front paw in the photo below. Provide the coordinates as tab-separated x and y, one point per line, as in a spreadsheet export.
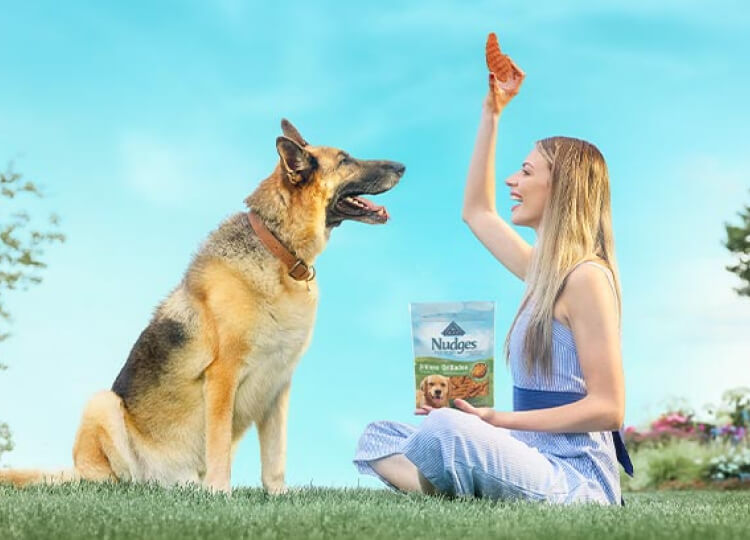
276	489
218	486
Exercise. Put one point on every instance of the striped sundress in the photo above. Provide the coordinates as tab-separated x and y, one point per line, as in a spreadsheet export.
463	455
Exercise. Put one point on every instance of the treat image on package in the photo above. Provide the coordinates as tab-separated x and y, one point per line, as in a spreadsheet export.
454	344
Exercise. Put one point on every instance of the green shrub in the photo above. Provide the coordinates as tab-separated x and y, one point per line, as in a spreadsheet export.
679	460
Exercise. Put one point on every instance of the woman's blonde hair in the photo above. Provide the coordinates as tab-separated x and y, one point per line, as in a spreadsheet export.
576	225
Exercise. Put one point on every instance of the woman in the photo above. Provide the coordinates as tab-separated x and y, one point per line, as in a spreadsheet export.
560	444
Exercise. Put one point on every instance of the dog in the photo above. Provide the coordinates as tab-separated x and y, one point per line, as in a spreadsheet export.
434	391
219	353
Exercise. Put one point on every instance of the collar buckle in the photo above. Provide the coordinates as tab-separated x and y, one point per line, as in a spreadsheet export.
301	271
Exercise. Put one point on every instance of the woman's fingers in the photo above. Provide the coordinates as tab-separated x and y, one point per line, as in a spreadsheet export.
465	406
493	83
503	91
423	410
484	413
517	69
498	88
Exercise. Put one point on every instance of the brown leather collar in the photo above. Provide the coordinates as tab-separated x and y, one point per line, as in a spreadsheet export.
298	269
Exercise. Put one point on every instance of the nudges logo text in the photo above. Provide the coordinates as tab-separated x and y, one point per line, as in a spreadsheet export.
455	344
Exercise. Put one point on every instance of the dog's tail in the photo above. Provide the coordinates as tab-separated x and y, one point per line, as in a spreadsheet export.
28	477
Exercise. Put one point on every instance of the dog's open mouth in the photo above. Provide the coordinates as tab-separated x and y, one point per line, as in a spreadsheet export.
366	177
361	209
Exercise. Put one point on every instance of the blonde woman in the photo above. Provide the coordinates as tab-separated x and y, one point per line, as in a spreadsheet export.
561	443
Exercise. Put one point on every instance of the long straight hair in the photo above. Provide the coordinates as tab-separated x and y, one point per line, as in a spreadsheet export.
576	225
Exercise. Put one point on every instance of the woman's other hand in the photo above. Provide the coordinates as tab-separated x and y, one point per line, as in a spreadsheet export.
489	415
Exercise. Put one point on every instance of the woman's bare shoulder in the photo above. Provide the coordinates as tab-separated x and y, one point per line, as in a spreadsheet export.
585	286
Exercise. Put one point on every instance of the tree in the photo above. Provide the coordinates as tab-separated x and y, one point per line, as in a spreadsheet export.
21	249
738	241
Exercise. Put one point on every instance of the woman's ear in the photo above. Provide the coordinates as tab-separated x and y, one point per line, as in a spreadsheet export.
297	163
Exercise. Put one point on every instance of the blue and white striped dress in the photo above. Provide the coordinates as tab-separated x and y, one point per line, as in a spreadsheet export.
463	455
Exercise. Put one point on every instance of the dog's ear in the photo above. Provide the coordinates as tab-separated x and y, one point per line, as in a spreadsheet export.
297	163
291	132
423	385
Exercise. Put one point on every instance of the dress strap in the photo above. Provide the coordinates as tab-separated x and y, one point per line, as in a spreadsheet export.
607	272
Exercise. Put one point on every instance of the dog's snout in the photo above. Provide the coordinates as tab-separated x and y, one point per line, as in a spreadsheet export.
399	168
438	392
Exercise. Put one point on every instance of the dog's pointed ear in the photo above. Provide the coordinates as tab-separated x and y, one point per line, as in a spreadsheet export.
297	163
291	132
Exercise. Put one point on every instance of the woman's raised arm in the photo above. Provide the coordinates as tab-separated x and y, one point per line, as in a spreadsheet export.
479	210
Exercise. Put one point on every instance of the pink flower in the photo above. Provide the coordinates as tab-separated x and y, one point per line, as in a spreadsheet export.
630	429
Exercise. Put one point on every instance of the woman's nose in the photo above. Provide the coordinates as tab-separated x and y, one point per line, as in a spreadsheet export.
511	180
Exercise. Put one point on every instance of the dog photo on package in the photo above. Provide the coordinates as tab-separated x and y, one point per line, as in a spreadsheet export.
453	352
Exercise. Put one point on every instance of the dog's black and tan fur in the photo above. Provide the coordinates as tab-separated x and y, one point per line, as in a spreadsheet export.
219	353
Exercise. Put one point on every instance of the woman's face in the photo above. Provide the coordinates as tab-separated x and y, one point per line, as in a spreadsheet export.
529	186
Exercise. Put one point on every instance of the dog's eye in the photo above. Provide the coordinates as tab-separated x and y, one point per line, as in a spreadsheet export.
344	158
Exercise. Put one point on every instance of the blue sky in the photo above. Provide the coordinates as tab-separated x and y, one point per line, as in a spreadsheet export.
148	125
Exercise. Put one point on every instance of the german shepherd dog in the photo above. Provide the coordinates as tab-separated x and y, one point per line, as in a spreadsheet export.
219	352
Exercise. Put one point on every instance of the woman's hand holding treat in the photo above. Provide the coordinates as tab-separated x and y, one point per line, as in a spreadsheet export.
505	77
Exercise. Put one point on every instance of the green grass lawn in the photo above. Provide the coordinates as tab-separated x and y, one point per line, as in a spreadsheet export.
133	511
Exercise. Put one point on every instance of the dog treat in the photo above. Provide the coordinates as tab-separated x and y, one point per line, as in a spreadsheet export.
497	62
479	370
467	387
453	352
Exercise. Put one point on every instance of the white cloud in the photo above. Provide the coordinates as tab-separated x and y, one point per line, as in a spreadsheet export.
188	170
156	170
687	336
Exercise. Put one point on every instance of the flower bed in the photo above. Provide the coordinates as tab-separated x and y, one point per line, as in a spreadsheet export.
678	451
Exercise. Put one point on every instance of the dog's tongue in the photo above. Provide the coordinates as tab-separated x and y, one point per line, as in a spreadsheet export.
372	207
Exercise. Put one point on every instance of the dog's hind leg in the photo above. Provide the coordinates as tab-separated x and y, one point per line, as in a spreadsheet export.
102	450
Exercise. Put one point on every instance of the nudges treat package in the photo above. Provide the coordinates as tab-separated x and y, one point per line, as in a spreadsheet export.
454	344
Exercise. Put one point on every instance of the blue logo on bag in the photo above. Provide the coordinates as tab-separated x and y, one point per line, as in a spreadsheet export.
453	330
453	345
